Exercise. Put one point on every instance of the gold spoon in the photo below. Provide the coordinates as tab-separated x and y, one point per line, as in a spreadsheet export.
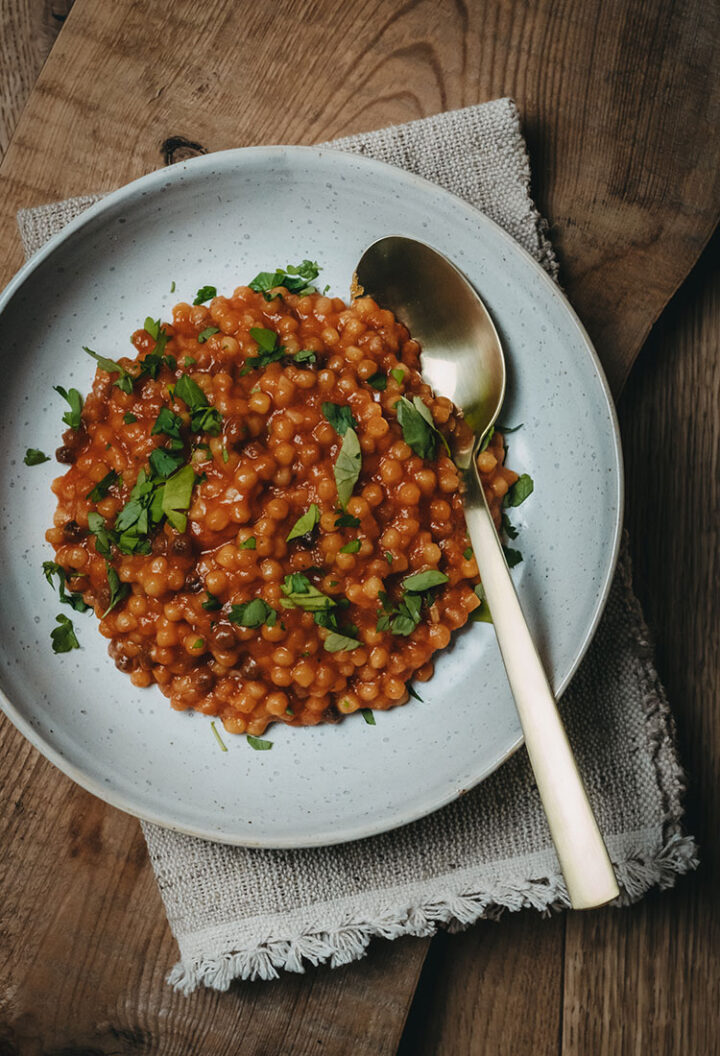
462	358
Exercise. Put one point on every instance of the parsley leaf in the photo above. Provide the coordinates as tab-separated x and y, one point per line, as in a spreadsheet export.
340	643
509	428
205	293
253	613
118	591
35	457
368	716
248	544
305	524
295	278
203	417
486	439
206	333
340	417
378	380
103	486
124	381
176	495
350	548
259	744
346	520
347	466
129	418
74	599
418	433
481	614
305	355
63	637
513	557
468	553
301	594
509	528
412	692
163	463
73	417
188	361
104	538
521	489
422	581
402	618
212	604
398	374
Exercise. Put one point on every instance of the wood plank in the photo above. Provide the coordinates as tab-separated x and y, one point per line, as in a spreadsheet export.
647	980
495	989
29	30
233	74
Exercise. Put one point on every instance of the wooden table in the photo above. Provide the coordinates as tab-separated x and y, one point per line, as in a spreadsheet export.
620	105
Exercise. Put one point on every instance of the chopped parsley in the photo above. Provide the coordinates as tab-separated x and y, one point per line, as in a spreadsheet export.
205	293
118	591
75	600
253	613
486	439
419	582
419	430
301	594
176	495
129	418
509	428
164	463
218	738
101	489
212	604
206	333
378	380
412	692
259	744
172	286
513	557
389	557
203	417
248	544
295	278
340	417
35	457
508	527
368	716
346	520
468	553
404	617
521	489
398	374
347	466
350	548
340	643
189	361
305	524
63	637
482	613
104	538
305	355
73	417
125	379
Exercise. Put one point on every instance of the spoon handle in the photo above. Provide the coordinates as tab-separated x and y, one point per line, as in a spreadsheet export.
583	856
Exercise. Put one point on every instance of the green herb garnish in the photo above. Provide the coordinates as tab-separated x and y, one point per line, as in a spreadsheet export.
176	496
63	637
35	457
378	380
340	417
419	582
389	557
205	293
481	614
73	417
103	486
124	380
402	618
412	692
163	463
172	286
189	361
350	548
368	716
259	744
218	738
305	524
104	538
253	613
74	599
248	544
418	433
212	604
513	557
295	278
340	643
398	373
509	528
346	520
118	591
305	355
468	553
509	428
301	594
129	418
347	466
203	417
206	333
521	489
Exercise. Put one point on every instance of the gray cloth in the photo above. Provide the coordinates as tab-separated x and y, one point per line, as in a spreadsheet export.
247	913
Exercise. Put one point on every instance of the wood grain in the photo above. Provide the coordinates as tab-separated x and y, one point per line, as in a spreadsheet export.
648	980
620	102
29	30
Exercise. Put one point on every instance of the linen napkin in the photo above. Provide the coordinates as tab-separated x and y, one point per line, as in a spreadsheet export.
247	913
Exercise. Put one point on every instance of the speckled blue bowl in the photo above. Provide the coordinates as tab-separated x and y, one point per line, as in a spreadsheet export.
220	219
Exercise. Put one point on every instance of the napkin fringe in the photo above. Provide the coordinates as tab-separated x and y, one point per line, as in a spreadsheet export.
349	942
